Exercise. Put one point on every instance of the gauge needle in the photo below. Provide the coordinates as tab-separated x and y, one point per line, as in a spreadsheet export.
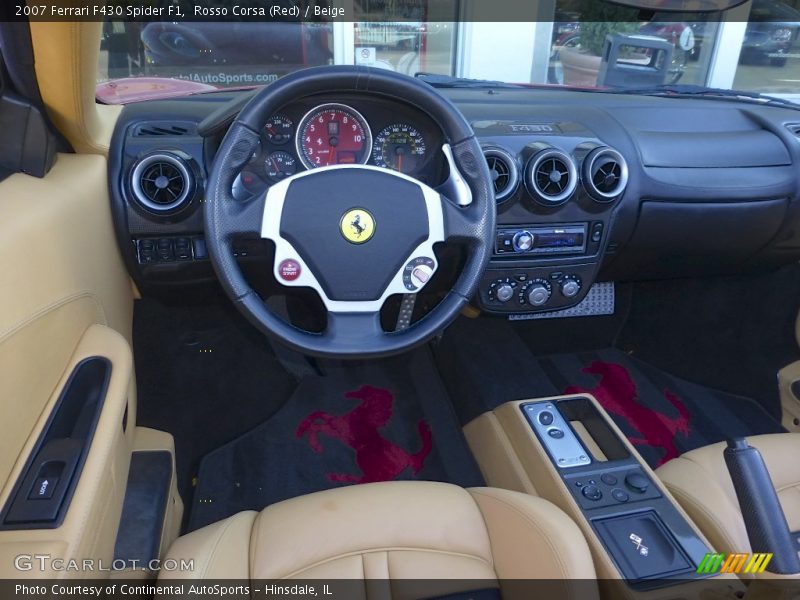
275	164
400	162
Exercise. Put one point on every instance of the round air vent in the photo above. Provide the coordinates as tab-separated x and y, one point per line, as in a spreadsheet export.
504	172
163	182
605	174
551	177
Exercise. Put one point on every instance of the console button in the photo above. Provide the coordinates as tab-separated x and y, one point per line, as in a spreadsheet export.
504	292
570	287
637	482
608	479
523	241
592	492
537	292
620	495
43	488
183	248
555	433
546	418
164	249
597	232
199	247
147	251
504	242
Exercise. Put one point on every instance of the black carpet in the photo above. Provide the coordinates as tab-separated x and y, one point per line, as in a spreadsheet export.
205	375
486	363
729	333
375	421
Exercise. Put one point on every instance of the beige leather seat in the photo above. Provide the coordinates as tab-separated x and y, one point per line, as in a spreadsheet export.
699	480
402	530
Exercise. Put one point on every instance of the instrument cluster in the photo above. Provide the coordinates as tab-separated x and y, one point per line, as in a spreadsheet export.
311	135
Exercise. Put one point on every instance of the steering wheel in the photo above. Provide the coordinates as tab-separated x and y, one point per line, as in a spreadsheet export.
356	234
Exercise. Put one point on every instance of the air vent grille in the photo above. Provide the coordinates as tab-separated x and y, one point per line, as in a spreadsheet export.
164	129
551	177
605	174
794	129
162	183
504	172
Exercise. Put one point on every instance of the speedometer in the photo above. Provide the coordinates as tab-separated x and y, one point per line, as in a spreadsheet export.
333	134
399	147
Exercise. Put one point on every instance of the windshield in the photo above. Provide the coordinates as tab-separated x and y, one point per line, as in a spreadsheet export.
584	44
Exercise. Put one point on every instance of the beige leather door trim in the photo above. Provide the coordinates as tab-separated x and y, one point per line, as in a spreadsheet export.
90	527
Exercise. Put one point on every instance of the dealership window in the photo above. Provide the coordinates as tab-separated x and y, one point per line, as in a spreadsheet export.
769	60
406	47
222	54
754	47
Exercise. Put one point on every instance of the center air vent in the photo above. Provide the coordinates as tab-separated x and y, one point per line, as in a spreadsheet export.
605	174
163	183
551	177
504	172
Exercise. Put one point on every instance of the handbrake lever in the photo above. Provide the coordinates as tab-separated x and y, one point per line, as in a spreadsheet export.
763	515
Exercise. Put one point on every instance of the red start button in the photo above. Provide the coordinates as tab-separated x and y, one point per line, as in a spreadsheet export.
289	270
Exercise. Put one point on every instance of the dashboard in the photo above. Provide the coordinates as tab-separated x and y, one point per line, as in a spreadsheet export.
591	188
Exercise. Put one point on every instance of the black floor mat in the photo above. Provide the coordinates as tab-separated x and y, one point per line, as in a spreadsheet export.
376	421
730	333
486	364
205	375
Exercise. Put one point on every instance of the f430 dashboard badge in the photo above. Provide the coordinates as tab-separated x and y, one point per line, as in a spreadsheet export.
357	226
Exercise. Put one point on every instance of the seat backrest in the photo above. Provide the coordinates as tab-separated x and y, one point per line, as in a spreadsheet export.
699	480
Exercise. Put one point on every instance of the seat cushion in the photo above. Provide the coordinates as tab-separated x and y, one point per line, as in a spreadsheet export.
699	480
398	530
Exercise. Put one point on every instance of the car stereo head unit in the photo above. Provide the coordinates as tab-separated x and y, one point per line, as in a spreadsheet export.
565	239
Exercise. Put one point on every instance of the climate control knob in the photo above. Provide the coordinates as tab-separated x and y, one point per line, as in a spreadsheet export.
570	287
504	292
538	292
522	241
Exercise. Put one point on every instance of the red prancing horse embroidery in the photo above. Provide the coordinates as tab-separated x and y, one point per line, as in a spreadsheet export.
617	393
378	458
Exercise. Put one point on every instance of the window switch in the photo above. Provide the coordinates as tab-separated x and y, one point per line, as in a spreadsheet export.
43	488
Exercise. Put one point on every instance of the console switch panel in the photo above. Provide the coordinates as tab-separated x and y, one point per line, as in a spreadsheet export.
556	435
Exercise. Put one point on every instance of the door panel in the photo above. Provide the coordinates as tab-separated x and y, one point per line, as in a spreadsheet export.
64	296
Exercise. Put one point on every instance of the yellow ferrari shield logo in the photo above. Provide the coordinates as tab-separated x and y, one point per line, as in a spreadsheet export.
357	226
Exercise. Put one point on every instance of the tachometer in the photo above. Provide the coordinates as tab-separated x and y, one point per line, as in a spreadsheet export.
333	134
400	147
279	129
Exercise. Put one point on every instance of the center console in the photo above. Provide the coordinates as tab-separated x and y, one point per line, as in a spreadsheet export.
568	451
557	188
